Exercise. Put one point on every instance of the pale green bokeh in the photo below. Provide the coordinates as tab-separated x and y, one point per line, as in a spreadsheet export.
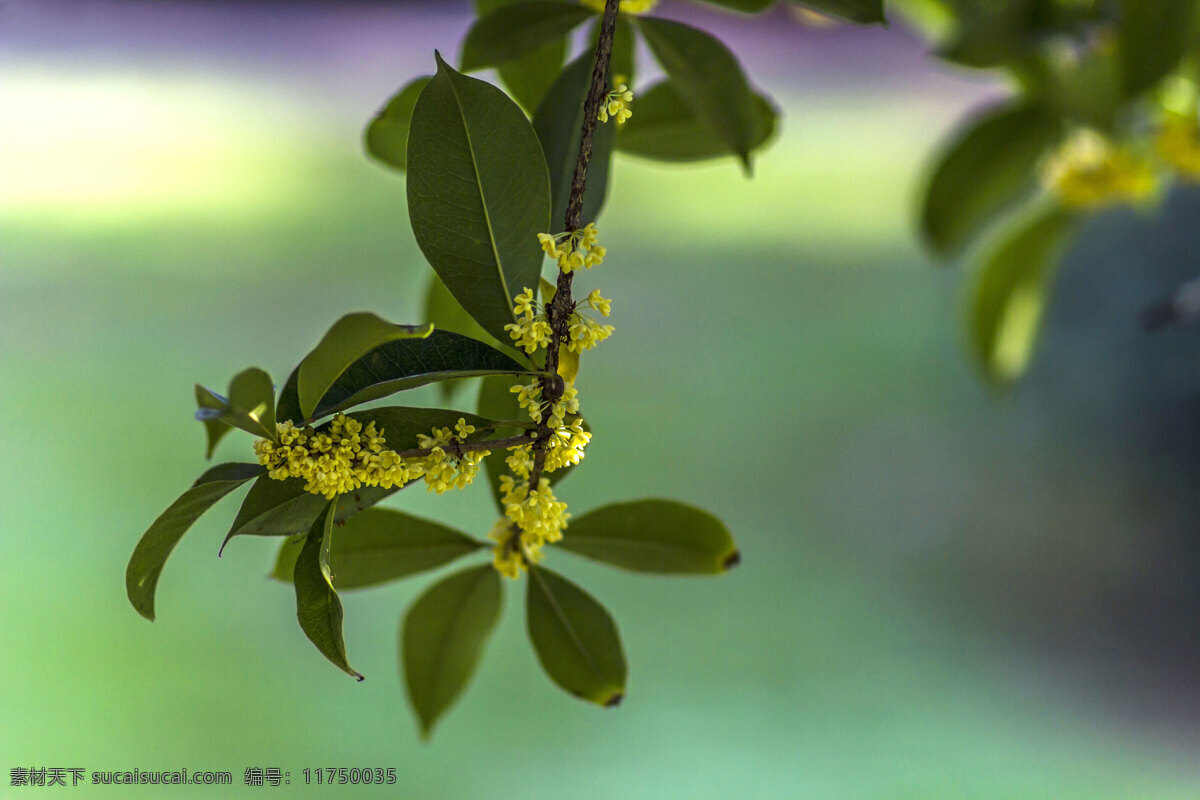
763	328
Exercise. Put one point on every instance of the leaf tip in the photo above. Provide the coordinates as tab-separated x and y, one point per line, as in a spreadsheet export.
614	700
732	560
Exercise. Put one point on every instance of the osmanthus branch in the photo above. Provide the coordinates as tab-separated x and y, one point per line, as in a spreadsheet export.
559	310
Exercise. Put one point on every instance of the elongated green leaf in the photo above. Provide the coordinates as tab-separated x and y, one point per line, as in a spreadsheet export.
1011	291
575	639
664	128
399	365
515	29
709	79
863	12
530	76
442	638
386	137
559	126
478	194
156	544
350	338
381	545
214	429
250	406
1152	38
662	536
317	605
447	314
282	508
622	60
989	164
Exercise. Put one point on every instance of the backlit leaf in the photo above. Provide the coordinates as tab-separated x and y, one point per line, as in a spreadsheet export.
317	605
214	429
399	365
575	638
443	636
662	536
250	405
156	544
350	338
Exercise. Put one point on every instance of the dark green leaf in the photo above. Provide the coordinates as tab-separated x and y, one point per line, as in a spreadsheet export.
317	605
350	338
442	639
708	78
653	536
575	639
1011	291
282	508
386	137
516	29
478	194
399	365
622	61
863	12
1152	38
214	429
664	128
156	544
989	164
559	126
381	545
447	314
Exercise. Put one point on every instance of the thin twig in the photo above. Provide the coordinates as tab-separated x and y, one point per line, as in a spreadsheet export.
559	310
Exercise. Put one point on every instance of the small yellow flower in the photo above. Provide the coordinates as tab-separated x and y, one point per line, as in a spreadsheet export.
595	301
506	555
574	249
626	6
1088	171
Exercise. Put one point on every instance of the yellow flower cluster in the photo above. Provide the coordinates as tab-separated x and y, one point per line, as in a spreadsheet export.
1089	171
616	103
1178	144
536	514
531	330
584	332
574	249
346	456
529	397
627	6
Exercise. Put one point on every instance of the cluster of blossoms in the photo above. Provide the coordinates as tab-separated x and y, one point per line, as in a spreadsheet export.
574	249
616	103
532	518
532	331
1090	171
346	456
627	6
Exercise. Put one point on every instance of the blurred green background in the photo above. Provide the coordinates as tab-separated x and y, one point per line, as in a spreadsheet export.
944	594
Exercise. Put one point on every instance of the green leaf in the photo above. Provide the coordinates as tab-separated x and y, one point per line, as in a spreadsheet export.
864	12
516	29
989	165
559	126
529	77
1152	38
156	544
317	605
350	338
622	60
1011	291
386	137
575	639
442	638
399	365
478	194
282	508
664	128
653	536
250	406
708	78
447	314
381	545
214	429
